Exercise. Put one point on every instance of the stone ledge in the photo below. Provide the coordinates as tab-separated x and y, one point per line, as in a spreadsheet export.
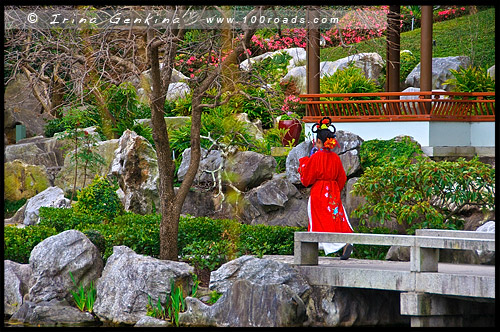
459	151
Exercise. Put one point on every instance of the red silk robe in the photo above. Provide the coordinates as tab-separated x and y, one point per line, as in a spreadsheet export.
324	171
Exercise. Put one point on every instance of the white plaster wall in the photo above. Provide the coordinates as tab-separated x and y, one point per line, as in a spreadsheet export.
482	133
447	133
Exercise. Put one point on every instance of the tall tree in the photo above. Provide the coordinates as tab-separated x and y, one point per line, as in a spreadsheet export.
171	202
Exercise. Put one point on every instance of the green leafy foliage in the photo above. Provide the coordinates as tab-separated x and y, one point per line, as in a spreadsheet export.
471	79
379	152
214	296
408	61
222	126
207	254
178	107
19	242
348	80
84	298
267	240
124	106
175	303
425	194
10	207
99	198
62	219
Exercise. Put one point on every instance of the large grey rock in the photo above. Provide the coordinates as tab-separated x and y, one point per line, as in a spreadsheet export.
248	304
440	71
128	279
65	179
54	314
144	84
351	162
38	150
136	168
24	181
258	271
275	202
52	259
198	203
148	321
50	197
22	107
298	55
297	76
371	64
209	161
249	169
256	292
351	201
177	90
254	127
16	283
292	160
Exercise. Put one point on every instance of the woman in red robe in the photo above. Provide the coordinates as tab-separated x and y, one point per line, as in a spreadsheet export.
324	171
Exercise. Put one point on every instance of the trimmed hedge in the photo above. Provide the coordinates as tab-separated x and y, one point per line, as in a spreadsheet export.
19	242
197	236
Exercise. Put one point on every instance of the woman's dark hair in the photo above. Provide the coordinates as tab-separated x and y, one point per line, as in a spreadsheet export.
326	133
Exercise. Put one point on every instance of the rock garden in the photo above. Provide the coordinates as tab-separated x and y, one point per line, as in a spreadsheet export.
82	190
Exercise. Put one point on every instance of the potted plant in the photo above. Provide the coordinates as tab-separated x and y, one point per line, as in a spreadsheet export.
290	120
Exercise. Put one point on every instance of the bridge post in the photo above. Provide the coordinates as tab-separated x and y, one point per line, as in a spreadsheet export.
433	310
305	253
423	259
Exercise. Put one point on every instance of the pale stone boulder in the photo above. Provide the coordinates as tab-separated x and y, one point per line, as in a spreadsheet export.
440	71
136	168
50	197
16	283
51	261
127	280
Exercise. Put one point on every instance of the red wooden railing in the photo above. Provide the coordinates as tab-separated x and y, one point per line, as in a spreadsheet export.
388	106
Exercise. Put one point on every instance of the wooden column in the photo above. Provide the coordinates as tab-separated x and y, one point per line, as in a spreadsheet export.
426	52
393	49
312	54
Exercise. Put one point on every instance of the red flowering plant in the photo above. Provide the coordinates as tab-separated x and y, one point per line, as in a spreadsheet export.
291	108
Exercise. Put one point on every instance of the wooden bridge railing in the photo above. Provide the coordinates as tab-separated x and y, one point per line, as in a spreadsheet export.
395	106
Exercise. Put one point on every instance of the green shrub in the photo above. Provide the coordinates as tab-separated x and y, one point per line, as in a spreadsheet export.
53	126
124	105
348	80
380	152
179	106
206	254
99	198
425	194
222	126
199	229
267	240
471	79
10	207
64	219
407	61
19	242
